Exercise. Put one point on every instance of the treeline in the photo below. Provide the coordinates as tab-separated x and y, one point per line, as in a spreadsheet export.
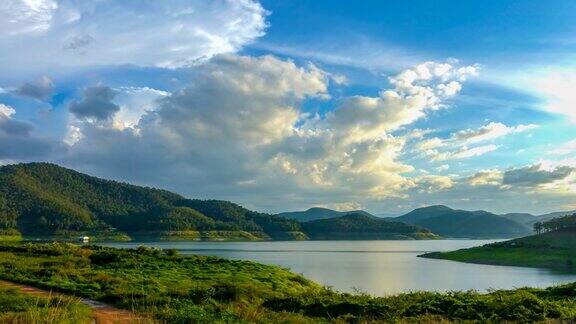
560	223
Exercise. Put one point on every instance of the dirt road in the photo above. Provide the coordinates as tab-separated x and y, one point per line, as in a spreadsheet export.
102	313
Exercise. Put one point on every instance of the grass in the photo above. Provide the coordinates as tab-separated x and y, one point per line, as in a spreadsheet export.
555	250
10	236
198	289
18	307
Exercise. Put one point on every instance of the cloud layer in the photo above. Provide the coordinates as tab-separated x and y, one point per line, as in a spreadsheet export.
170	33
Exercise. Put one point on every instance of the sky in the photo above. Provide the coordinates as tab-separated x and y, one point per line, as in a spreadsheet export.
385	106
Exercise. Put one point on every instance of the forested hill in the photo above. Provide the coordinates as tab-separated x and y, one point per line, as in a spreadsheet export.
46	199
362	226
42	199
450	222
315	213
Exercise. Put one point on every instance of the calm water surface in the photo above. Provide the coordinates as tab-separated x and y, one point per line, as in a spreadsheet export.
376	267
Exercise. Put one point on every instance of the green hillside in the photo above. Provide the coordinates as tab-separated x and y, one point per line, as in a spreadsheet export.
555	248
41	200
315	213
359	226
449	222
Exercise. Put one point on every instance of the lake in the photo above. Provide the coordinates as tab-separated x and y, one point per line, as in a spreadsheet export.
376	267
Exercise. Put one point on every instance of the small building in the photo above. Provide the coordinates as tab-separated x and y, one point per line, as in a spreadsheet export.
84	239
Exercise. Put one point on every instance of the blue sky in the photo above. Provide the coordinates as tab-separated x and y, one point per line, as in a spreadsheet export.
283	105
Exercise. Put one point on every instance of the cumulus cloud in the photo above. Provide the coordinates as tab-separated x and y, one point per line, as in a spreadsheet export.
238	129
536	175
96	104
433	183
40	89
17	142
135	102
486	177
343	206
168	33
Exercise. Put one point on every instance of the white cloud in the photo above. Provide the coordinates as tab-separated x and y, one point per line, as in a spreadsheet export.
26	17
433	183
169	33
134	103
490	131
537	175
73	135
565	148
343	206
558	90
443	167
465	152
486	177
457	145
6	111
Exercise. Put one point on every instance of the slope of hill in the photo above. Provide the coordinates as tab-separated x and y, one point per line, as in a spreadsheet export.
315	213
555	249
549	216
522	218
449	222
41	199
360	226
45	200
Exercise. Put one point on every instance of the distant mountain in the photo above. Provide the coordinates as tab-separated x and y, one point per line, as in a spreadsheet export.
523	218
320	213
549	216
449	222
361	226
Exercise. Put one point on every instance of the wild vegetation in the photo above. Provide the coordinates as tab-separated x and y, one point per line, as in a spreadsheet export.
19	307
553	247
45	200
180	289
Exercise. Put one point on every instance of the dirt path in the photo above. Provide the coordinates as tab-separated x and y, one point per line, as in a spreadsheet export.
102	313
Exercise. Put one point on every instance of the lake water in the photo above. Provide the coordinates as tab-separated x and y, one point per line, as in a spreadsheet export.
376	267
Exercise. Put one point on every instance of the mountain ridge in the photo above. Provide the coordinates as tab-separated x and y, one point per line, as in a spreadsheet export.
456	223
315	213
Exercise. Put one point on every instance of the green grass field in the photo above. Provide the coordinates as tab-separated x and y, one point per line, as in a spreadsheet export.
178	289
18	307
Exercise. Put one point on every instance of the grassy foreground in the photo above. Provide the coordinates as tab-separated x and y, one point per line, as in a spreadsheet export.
555	250
201	289
18	307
